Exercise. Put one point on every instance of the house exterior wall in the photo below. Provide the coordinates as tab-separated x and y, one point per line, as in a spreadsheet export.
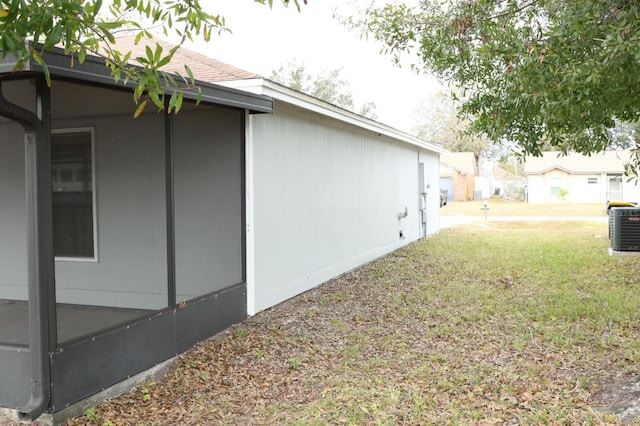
535	189
13	241
582	188
130	270
630	190
327	198
432	183
586	188
209	159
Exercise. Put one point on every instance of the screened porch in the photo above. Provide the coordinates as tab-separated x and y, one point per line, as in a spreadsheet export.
136	250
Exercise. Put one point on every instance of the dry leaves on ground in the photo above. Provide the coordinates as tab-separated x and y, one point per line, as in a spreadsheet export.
430	334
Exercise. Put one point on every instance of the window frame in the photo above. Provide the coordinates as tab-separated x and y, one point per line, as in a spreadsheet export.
94	206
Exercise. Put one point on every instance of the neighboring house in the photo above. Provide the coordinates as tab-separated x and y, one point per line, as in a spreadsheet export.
458	171
579	178
163	230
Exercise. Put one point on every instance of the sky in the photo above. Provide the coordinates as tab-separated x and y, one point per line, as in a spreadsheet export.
264	39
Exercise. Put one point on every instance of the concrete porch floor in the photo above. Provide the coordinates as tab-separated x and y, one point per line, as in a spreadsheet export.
73	320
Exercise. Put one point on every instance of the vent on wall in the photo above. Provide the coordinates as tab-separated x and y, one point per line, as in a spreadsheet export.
624	229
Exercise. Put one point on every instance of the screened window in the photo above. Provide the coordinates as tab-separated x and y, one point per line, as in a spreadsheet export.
72	164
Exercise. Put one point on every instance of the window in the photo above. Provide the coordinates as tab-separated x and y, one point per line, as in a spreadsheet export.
592	180
73	185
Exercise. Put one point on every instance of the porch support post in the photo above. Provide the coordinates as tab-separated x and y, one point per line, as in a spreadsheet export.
170	209
40	260
45	213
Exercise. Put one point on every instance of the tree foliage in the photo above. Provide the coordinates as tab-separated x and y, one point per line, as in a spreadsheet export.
560	72
438	123
329	86
90	27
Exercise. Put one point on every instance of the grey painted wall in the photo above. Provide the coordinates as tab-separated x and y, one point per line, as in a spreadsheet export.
327	196
13	246
131	267
130	270
208	197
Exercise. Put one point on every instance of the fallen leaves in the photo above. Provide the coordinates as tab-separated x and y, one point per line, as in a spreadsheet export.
437	333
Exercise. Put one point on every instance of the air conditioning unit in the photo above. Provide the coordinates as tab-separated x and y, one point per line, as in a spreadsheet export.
624	229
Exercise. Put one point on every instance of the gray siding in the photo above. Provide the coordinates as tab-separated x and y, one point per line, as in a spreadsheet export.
326	199
208	196
13	245
131	266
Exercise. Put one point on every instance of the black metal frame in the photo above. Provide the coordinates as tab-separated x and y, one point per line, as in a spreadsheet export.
170	206
94	71
61	375
92	364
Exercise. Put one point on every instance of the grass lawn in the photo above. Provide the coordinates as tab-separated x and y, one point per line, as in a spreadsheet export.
500	323
499	207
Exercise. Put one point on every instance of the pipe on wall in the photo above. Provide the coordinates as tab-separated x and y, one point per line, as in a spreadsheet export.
39	246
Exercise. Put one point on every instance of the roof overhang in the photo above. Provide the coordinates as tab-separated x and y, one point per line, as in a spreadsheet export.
94	71
456	169
549	169
574	172
309	103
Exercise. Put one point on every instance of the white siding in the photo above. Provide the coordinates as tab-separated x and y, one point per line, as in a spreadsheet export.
578	186
536	189
630	189
432	181
326	199
581	191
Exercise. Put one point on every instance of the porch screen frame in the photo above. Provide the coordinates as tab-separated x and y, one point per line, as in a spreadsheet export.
94	204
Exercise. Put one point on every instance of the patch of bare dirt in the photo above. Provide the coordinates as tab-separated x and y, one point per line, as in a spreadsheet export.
621	396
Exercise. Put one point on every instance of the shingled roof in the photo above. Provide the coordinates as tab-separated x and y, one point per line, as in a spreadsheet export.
605	162
464	162
203	67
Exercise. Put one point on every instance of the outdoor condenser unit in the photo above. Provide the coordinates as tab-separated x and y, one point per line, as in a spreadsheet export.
624	229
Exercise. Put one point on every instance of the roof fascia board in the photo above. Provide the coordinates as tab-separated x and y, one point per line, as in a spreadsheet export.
573	172
548	169
299	99
456	169
316	105
94	70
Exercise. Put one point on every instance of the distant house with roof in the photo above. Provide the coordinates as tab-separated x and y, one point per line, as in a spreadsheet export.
598	178
458	172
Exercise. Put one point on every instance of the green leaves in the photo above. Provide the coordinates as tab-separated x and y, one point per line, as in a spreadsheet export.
284	2
536	73
89	27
